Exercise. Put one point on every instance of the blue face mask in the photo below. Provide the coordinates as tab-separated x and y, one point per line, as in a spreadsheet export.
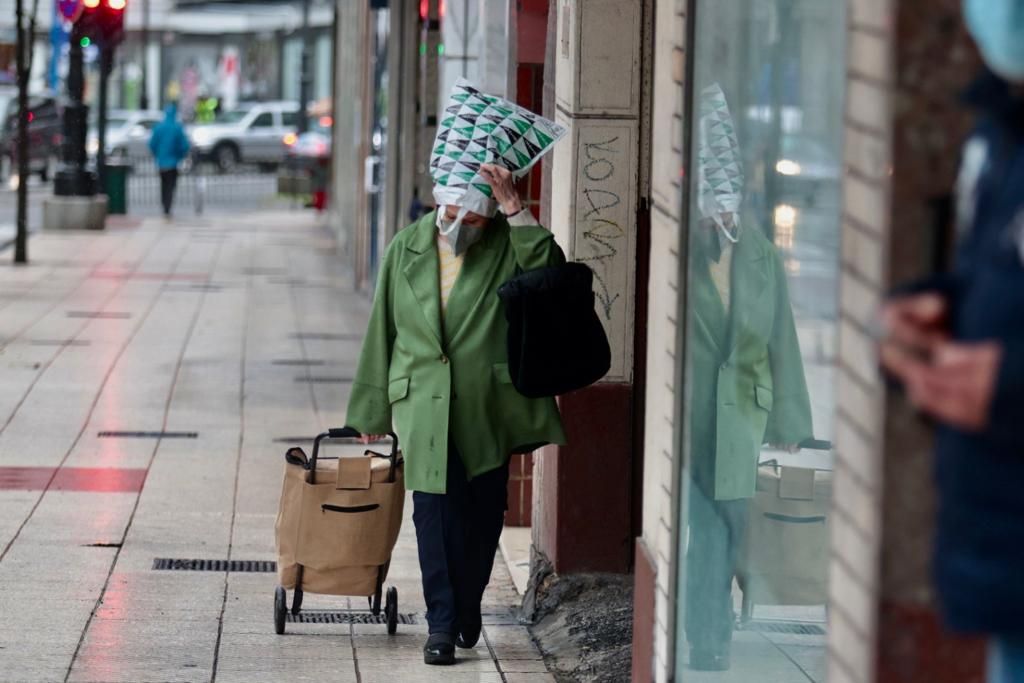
998	28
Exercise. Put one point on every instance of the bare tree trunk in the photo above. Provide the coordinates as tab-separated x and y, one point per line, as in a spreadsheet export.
25	36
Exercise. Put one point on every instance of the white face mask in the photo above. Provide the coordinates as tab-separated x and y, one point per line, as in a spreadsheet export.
459	236
733	236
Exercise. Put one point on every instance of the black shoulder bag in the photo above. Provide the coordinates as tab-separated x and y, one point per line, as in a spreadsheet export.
556	343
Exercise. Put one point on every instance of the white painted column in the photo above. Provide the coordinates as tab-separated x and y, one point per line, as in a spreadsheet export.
595	173
496	67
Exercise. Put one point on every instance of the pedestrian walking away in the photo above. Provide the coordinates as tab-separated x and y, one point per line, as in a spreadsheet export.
434	364
169	146
956	342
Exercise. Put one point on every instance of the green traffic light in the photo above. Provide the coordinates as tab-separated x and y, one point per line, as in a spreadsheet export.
85	42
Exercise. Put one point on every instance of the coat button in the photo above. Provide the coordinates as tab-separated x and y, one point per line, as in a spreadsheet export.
444	359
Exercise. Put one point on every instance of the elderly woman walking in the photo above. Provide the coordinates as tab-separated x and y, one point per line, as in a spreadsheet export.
434	365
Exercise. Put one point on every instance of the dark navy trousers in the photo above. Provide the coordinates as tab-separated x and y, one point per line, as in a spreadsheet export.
457	534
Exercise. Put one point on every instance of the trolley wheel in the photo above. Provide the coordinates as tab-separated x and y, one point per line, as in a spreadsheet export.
297	602
391	610
375	607
280	607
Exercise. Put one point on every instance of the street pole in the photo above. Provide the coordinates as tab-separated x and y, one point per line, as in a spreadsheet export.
144	96
24	43
106	66
306	77
72	179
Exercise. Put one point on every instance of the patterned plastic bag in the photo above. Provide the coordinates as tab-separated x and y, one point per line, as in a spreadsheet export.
476	129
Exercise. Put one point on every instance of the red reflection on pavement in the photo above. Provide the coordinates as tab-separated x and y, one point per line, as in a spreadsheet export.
24	478
85	479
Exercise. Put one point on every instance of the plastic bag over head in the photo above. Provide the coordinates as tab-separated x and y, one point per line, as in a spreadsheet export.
476	129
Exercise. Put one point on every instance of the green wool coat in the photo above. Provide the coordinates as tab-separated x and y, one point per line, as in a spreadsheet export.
747	376
434	380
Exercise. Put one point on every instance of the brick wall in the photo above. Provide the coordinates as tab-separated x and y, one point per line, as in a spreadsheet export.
908	60
856	527
660	457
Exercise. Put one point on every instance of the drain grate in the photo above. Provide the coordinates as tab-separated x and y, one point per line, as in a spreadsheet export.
59	342
328	617
324	380
788	627
183	565
148	435
264	271
297	362
299	282
99	315
194	287
325	336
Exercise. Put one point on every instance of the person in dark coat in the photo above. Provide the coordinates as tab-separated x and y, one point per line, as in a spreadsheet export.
169	146
957	344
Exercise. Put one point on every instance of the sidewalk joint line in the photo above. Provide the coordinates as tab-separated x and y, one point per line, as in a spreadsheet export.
156	446
242	363
494	656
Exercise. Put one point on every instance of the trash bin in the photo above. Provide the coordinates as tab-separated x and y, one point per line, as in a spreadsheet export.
116	181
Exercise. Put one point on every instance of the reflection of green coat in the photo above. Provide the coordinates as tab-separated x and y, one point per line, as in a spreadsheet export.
748	385
432	380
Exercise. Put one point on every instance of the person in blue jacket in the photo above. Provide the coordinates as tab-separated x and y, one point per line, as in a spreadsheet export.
957	345
169	146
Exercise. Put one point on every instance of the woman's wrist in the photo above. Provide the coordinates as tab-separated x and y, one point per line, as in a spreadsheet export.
512	206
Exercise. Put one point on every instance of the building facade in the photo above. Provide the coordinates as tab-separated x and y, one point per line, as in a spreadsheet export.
740	177
182	50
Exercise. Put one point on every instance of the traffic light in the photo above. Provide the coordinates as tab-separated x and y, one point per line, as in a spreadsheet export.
100	22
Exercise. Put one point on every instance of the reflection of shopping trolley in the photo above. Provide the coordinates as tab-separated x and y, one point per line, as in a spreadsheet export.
785	558
337	525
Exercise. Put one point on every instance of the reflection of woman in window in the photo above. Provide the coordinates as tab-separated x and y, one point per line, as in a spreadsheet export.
747	379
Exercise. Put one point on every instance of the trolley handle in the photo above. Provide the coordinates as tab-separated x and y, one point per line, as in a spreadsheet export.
348	433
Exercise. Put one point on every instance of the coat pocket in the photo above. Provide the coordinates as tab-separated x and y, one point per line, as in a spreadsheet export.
764	397
398	389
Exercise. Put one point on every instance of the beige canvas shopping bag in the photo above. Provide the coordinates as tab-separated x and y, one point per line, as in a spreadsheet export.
785	558
342	528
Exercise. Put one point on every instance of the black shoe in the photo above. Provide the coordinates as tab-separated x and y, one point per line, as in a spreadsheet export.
439	649
469	635
710	658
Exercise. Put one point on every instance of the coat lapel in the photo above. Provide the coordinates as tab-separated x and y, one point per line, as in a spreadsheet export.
423	274
749	284
473	283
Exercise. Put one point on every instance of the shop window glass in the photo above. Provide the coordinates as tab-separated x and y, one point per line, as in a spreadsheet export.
761	306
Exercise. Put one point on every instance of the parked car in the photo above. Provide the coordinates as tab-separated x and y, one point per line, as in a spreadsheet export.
127	134
307	161
303	150
44	136
252	133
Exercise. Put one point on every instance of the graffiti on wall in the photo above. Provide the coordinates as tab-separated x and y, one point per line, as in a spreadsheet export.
602	233
603	236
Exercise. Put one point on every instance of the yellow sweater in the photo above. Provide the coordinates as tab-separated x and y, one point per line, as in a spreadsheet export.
450	267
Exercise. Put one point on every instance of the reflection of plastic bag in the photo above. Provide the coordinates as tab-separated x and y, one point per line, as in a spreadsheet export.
720	167
476	129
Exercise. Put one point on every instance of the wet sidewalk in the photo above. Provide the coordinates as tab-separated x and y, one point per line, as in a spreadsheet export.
151	379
